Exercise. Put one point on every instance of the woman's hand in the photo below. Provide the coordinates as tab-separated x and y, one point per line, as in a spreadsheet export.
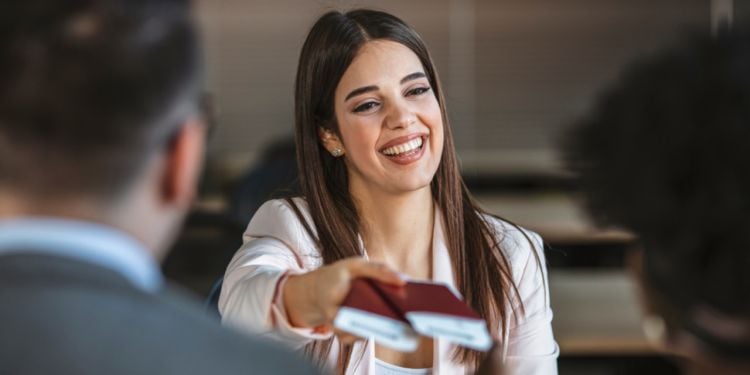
312	299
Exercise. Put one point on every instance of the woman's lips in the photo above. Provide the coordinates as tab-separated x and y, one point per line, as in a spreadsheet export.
406	157
402	140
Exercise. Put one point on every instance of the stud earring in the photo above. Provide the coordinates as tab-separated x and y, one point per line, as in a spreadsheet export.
336	152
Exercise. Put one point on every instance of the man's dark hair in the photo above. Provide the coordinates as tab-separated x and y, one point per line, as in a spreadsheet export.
666	154
89	89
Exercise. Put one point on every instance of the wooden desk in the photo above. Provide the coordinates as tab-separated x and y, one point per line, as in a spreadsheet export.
557	217
596	313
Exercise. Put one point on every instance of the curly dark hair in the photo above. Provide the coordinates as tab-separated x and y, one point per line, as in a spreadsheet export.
661	154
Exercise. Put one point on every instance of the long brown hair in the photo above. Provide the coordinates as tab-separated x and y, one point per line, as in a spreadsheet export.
330	48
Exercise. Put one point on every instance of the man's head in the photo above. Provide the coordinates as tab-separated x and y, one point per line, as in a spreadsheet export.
99	110
666	154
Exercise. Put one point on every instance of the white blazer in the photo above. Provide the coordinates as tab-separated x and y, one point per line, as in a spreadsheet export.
276	243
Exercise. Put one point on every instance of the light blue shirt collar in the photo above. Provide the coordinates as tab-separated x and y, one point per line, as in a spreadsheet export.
89	242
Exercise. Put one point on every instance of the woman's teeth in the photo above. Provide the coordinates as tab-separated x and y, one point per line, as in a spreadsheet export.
403	148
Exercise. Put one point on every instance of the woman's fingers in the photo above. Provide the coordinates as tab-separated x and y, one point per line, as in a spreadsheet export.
340	277
322	329
313	299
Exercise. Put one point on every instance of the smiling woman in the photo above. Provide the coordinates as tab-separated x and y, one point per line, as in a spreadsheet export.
382	198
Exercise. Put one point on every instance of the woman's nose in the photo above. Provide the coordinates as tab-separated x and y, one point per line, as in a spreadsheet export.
400	116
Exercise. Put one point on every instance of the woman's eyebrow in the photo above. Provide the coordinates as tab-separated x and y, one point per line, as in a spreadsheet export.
365	89
412	77
361	91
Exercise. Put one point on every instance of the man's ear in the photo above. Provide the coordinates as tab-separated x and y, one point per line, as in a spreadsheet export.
183	164
331	141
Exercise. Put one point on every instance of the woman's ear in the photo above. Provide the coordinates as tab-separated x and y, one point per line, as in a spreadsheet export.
331	142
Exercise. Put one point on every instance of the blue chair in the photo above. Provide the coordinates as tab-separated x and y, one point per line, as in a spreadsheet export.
212	301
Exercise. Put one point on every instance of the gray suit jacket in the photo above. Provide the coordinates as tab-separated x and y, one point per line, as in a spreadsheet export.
62	316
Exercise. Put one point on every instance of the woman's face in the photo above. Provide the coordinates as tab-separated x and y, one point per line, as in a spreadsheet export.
389	119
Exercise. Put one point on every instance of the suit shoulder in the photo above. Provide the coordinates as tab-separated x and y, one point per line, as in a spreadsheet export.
151	334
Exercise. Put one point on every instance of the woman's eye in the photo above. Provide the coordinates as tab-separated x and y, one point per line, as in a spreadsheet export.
418	91
365	107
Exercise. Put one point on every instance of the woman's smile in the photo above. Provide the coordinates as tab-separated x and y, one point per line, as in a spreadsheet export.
405	150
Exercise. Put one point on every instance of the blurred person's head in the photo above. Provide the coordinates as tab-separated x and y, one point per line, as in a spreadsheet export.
665	154
99	112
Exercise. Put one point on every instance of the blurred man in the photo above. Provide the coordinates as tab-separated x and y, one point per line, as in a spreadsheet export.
665	154
101	143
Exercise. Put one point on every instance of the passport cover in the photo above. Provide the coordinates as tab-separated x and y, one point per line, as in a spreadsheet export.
395	316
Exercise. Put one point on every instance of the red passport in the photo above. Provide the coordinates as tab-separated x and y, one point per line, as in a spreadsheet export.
396	316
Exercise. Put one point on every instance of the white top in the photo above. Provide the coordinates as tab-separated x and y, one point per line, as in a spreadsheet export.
276	243
385	368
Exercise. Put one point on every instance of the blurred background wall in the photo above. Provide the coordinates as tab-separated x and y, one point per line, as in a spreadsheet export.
515	71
